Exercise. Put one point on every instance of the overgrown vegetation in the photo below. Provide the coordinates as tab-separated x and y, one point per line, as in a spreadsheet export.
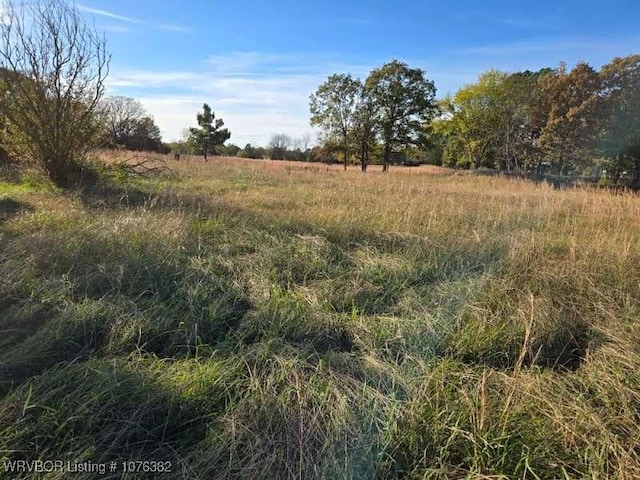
247	320
52	72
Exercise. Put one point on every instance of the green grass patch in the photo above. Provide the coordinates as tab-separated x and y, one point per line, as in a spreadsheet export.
242	320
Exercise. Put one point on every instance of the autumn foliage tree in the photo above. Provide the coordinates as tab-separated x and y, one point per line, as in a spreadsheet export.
570	124
618	106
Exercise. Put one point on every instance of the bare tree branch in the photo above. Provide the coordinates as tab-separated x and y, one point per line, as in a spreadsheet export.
52	72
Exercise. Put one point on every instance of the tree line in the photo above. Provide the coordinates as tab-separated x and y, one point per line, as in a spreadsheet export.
126	125
281	146
581	121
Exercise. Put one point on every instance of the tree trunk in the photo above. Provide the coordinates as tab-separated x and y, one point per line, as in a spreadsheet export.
64	174
508	147
618	169
365	160
635	182
346	153
386	157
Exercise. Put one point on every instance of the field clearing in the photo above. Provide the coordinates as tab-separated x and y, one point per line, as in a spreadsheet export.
193	160
269	319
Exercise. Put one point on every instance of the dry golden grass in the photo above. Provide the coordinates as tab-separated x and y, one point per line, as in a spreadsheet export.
266	319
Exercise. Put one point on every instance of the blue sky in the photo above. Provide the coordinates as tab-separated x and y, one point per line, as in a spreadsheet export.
257	62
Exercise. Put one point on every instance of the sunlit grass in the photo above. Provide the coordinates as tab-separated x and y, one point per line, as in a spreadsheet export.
259	319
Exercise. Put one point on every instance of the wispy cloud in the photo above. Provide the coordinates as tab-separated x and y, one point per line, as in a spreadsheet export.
175	28
256	126
562	45
105	13
153	79
249	63
167	27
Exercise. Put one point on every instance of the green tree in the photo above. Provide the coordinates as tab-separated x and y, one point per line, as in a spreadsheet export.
250	152
364	129
432	150
209	134
404	101
472	122
145	136
333	107
521	99
230	150
490	122
52	72
127	125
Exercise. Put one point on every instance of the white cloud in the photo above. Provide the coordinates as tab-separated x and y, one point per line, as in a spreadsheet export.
176	113
153	79
104	13
256	95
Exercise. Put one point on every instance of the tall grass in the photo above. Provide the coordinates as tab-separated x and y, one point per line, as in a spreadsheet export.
257	319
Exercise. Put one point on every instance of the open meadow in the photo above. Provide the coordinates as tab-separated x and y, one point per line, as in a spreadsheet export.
254	319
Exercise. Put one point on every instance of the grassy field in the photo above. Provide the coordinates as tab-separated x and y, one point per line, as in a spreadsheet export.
257	319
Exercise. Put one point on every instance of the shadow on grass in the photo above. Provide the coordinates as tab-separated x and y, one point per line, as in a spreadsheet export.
11	173
10	208
378	290
97	294
41	338
70	293
100	411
